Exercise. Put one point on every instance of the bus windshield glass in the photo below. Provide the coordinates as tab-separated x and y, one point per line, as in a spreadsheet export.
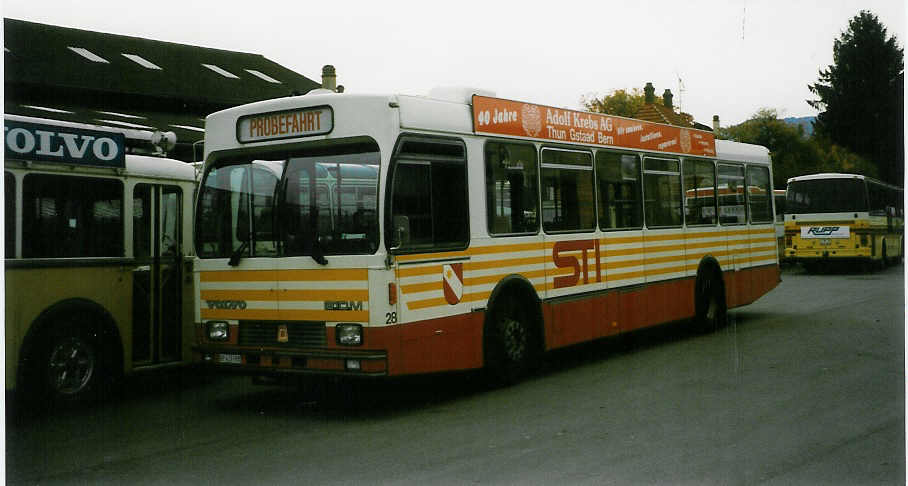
304	204
826	196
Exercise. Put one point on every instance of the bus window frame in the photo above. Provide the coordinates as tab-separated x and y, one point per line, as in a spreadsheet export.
769	192
680	176
397	155
743	167
573	149
684	188
640	201
538	195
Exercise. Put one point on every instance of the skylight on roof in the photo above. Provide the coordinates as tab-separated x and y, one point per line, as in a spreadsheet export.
187	127
141	61
124	115
91	56
263	76
125	124
44	108
220	71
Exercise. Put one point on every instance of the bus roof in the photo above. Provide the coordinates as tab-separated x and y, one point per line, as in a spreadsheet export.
439	112
148	166
741	152
837	175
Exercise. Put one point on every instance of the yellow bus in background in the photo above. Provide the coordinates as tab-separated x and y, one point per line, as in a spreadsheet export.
778	200
833	217
98	257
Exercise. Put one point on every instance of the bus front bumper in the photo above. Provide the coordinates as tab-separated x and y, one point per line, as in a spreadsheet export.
268	361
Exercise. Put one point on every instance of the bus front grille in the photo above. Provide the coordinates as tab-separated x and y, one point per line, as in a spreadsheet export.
268	333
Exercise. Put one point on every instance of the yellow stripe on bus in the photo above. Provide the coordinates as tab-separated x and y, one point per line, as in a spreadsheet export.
286	315
284	275
286	295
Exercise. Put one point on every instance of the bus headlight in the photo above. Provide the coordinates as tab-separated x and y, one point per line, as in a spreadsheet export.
218	331
349	334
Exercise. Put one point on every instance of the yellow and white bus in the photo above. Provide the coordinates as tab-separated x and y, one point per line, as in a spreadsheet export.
98	259
845	217
778	198
405	234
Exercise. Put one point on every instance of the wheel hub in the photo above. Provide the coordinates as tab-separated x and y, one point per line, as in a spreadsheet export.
71	366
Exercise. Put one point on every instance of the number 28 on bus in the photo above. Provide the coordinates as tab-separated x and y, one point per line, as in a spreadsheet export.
369	235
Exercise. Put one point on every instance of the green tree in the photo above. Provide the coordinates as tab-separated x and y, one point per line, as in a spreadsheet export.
860	96
793	154
618	102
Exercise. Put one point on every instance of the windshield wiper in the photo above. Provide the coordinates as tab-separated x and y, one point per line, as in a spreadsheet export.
238	253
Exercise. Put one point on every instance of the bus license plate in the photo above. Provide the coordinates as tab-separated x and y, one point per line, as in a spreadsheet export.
230	359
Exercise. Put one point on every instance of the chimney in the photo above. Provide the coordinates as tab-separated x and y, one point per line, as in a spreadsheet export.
667	98
329	78
715	123
649	94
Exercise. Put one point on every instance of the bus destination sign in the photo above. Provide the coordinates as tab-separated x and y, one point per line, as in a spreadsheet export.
285	124
65	145
494	116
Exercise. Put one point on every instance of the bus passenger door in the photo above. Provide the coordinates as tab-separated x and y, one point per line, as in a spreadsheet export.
157	278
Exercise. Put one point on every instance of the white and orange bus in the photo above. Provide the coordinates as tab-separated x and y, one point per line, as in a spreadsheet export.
395	235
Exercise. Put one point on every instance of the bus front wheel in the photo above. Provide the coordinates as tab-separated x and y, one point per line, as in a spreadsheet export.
69	366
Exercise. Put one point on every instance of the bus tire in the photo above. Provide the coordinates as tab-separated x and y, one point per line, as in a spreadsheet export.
709	300
69	367
511	342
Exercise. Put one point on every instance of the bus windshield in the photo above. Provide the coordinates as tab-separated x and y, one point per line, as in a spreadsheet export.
304	204
826	196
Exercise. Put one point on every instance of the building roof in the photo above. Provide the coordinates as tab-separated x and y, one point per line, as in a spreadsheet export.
662	114
116	80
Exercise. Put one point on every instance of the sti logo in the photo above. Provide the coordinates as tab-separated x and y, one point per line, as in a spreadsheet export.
823	230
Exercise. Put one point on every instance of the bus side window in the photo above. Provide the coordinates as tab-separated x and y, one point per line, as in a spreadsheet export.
618	183
662	189
567	191
9	191
429	193
66	216
732	208
511	188
758	193
699	191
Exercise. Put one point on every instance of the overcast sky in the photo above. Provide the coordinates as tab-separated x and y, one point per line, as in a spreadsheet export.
733	57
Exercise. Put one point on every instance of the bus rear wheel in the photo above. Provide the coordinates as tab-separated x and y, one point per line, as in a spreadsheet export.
511	344
711	311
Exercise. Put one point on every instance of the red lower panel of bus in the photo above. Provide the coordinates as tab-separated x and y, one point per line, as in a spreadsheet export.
455	342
